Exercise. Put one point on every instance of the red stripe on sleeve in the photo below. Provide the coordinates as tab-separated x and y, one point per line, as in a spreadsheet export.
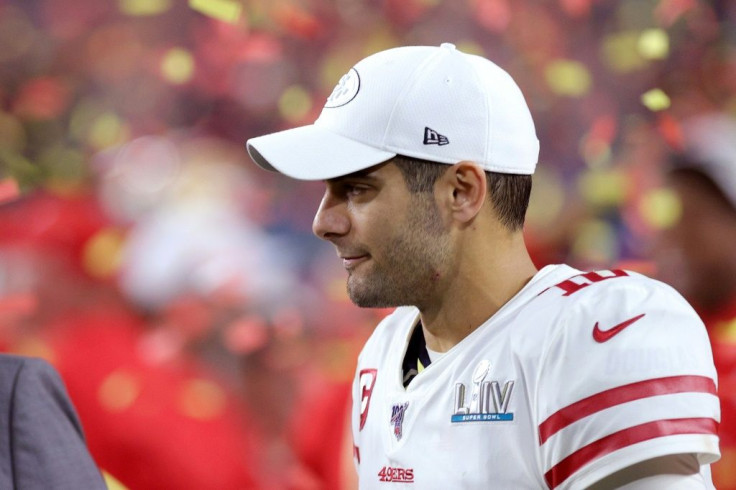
639	433
622	394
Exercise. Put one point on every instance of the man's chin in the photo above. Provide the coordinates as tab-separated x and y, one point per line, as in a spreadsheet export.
363	302
364	296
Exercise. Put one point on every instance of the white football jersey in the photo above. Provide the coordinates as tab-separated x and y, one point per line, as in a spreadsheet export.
578	376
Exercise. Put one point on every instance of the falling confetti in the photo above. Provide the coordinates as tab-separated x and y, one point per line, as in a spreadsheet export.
106	130
568	78
294	103
144	7
102	253
224	10
603	187
178	66
621	53
660	208
655	100
654	44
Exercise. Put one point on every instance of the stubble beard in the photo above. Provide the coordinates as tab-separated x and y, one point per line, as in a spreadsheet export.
410	266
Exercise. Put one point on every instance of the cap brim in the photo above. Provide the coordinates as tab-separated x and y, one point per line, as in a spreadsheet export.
313	153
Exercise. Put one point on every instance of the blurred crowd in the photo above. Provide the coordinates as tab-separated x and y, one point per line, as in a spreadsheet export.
204	335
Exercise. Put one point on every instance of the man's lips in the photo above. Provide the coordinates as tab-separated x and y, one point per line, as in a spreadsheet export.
350	261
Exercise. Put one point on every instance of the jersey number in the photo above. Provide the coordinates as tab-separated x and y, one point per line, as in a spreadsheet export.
581	281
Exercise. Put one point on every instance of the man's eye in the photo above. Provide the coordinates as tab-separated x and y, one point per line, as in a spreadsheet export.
354	190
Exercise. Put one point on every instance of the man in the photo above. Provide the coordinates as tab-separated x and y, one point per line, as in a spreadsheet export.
491	374
697	257
41	440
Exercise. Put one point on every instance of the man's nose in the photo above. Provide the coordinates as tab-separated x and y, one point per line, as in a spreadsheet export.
331	220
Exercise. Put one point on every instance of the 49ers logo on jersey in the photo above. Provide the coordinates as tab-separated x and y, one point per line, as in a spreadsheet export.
366	382
396	475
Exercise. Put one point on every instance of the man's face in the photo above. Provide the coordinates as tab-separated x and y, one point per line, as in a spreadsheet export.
393	243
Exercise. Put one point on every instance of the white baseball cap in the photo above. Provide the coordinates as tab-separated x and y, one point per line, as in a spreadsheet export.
431	103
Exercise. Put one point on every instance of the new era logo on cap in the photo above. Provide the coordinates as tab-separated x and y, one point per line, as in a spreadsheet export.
432	137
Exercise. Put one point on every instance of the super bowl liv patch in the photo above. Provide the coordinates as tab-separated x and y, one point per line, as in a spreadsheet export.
488	401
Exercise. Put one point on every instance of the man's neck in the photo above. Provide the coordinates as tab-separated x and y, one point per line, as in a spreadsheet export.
483	283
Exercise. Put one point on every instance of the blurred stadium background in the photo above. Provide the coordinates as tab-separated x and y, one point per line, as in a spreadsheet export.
204	335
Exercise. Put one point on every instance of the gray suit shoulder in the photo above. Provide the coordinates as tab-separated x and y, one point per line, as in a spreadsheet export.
43	446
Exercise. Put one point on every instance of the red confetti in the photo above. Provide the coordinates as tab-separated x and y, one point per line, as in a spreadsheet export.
246	335
576	8
604	129
298	22
671	131
494	15
42	98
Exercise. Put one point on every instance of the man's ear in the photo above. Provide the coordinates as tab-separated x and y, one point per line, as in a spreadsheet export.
465	190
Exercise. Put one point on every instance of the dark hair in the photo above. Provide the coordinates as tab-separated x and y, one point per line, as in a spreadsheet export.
509	193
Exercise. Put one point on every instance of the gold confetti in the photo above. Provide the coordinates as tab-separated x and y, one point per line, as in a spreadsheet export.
655	100
224	10
294	103
177	67
654	44
143	7
660	208
568	78
111	482
102	253
106	130
620	52
603	187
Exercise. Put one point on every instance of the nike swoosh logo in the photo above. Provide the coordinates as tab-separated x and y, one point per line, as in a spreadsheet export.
606	335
